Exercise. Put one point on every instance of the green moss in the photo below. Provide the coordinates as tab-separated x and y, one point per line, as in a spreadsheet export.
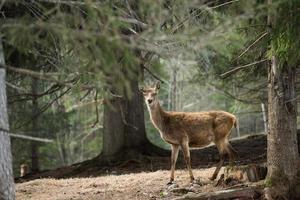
277	178
268	182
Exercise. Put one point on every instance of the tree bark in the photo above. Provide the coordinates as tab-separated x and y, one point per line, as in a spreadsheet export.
7	189
283	158
113	132
264	113
34	145
174	89
282	150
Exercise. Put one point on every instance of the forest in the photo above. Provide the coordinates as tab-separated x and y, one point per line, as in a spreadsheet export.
98	98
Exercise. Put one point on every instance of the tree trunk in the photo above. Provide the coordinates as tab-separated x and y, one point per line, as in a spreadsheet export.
113	131
34	145
124	132
264	113
7	189
173	89
283	155
282	152
124	129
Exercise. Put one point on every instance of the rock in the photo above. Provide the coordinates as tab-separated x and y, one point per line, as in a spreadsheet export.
114	173
267	194
194	187
171	186
180	190
198	182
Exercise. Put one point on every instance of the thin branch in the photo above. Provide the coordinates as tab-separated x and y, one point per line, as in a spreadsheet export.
44	108
86	94
193	14
46	76
30	138
224	4
133	21
254	90
66	2
74	107
152	74
250	46
228	94
26	71
15	87
29	96
235	69
293	99
52	89
124	119
148	56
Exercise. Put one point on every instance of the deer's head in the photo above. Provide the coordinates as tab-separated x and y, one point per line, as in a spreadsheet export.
150	95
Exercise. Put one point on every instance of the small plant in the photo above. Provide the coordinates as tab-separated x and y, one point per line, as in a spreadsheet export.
268	182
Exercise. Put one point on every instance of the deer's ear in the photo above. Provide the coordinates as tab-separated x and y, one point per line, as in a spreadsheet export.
157	85
142	89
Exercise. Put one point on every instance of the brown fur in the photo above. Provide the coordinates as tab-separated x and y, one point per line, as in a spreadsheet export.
191	129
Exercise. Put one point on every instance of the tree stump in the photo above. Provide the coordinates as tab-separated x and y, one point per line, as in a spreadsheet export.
240	174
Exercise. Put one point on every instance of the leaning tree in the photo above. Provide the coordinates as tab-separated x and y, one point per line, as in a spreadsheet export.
7	190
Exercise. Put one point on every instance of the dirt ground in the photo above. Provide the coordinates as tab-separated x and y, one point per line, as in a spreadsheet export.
134	179
143	185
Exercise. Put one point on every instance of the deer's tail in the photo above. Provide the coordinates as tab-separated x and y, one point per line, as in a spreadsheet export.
236	126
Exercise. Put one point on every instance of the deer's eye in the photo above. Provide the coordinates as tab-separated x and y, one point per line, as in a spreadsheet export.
154	94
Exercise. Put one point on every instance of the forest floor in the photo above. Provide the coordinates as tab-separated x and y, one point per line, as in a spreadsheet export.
143	185
134	179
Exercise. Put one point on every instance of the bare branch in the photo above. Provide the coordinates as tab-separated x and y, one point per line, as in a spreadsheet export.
235	69
249	47
228	94
44	108
15	87
133	21
195	14
66	2
46	76
152	74
124	120
21	136
99	101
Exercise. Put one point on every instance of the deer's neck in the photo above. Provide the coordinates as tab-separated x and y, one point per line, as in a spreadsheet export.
157	117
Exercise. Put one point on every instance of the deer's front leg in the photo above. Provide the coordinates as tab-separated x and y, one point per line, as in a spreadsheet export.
187	157
175	150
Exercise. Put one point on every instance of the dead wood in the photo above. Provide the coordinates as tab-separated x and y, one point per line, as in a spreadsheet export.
245	193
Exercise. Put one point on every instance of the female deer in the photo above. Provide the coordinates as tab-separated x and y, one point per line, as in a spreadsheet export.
190	129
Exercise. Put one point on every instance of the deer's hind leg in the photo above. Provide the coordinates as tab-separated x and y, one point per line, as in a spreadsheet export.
224	149
222	153
232	153
222	132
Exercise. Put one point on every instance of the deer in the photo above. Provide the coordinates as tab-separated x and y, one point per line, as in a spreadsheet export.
187	130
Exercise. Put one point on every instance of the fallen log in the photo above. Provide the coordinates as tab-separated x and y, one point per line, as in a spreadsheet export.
245	193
